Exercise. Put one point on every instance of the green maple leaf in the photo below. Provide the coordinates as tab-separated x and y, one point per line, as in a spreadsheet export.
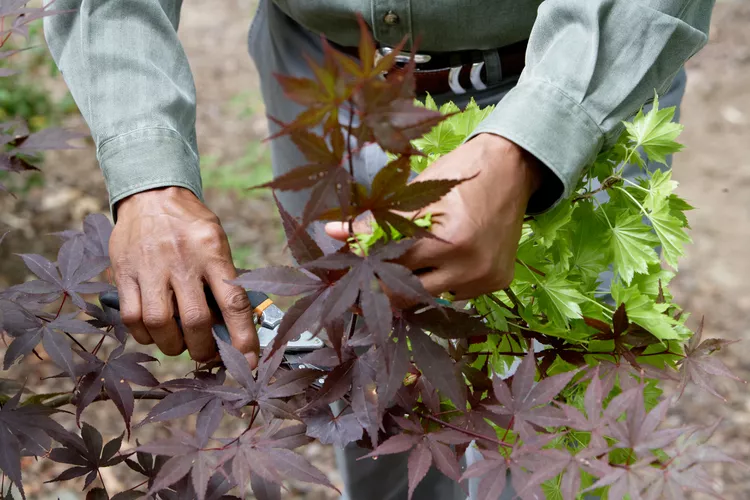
645	312
648	283
678	207
465	122
429	103
671	234
660	187
655	132
440	140
559	299
588	257
633	245
546	225
419	163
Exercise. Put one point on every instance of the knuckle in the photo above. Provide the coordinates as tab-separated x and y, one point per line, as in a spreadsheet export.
211	234
156	319
196	317
237	302
130	318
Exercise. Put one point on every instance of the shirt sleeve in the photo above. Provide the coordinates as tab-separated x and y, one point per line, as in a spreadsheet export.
590	64
129	75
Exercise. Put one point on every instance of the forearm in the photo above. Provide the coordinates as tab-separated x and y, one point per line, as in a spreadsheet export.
129	75
589	66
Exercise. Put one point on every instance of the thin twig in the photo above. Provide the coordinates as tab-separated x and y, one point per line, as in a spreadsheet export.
608	183
67	399
532	268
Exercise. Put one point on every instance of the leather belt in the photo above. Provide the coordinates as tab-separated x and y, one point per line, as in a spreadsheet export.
457	72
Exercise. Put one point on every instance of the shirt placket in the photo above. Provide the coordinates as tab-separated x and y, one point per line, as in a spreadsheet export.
391	21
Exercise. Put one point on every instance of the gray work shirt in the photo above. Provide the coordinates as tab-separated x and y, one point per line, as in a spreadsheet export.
589	65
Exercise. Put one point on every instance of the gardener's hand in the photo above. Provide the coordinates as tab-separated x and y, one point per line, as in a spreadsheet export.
165	246
480	218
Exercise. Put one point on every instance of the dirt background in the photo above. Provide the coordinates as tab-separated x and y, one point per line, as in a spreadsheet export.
713	171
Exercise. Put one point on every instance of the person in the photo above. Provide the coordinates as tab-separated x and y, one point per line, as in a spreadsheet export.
563	75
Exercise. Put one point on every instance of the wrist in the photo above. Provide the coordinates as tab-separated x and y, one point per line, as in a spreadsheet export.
525	168
136	203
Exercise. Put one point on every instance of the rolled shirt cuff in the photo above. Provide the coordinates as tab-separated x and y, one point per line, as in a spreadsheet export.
147	159
547	123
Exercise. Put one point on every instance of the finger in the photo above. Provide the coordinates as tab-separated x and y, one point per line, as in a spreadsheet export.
425	253
340	230
158	317
438	281
195	318
235	307
130	310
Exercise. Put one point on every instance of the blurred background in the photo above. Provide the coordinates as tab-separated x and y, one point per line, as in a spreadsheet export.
713	171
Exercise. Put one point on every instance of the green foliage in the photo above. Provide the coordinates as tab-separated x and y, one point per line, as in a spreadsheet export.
563	252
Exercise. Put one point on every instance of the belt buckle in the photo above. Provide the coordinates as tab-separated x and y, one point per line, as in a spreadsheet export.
401	58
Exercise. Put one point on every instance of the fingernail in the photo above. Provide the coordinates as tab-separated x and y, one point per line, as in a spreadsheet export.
252	359
335	226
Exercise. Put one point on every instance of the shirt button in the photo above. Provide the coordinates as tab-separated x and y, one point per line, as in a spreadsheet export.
391	18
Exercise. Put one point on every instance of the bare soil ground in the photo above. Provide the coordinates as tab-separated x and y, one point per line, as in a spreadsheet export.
713	171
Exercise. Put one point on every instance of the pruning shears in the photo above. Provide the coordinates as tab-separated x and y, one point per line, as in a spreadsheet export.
267	316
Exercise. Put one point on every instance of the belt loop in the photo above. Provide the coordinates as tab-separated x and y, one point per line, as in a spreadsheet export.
493	66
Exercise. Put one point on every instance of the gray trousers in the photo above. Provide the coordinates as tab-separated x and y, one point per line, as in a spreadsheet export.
277	44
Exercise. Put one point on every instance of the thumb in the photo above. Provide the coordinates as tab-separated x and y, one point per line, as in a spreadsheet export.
340	230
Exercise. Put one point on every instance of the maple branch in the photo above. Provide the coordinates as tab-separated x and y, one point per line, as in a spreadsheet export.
532	268
465	431
608	183
67	399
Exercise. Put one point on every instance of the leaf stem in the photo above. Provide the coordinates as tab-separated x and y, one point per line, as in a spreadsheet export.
104	486
645	213
628	181
99	345
512	296
59	309
352	185
604	214
501	303
465	431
